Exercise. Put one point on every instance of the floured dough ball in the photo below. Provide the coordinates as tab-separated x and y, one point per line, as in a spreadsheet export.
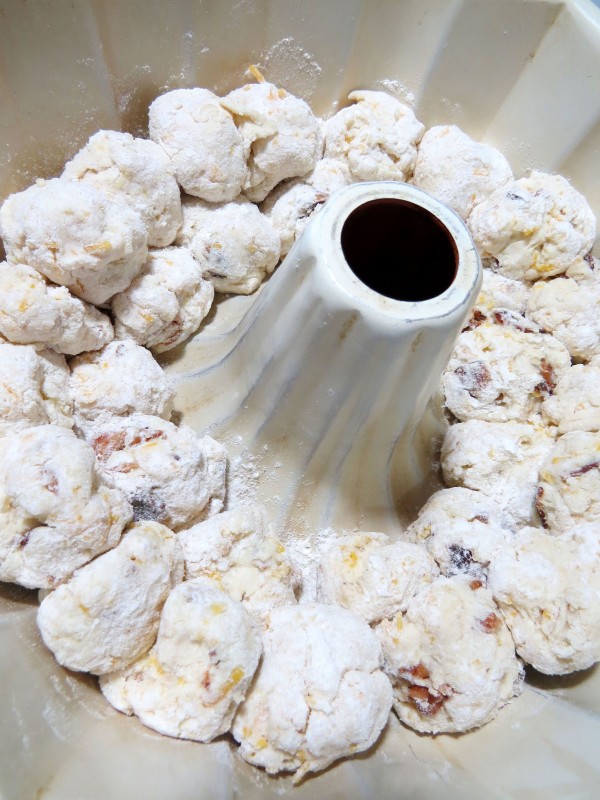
32	311
168	474
319	695
462	532
376	137
371	576
282	137
118	380
451	658
34	388
192	681
569	487
534	227
202	141
548	590
136	172
236	245
498	292
107	614
237	549
500	459
458	170
575	404
166	303
75	236
498	373
55	515
292	204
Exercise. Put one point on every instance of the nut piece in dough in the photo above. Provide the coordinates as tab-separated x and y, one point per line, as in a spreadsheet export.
451	658
548	590
534	227
371	576
238	550
202	141
319	694
55	514
75	236
121	379
376	137
282	137
458	170
236	245
32	311
107	614
192	681
500	459
575	404
166	303
168	474
136	172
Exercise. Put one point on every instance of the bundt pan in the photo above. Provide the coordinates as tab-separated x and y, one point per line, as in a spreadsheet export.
322	388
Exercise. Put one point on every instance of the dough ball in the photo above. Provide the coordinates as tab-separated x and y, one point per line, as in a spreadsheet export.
451	658
166	303
458	170
75	236
319	695
32	311
499	292
168	474
237	549
202	141
372	577
376	137
534	227
575	404
282	137
55	515
136	172
192	681
107	614
548	589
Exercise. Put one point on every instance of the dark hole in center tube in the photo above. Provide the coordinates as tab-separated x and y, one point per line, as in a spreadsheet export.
399	249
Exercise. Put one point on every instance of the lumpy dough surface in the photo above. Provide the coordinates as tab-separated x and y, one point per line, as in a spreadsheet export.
134	171
376	137
534	227
575	404
167	301
458	170
319	695
548	589
499	292
55	514
75	236
191	682
450	657
282	137
371	576
202	141
169	474
107	614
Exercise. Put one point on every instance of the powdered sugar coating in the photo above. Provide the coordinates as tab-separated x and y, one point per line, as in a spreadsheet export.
371	576
534	227
319	694
451	658
548	590
205	148
169	474
75	236
500	292
134	171
56	515
458	170
166	303
191	682
575	404
107	614
282	137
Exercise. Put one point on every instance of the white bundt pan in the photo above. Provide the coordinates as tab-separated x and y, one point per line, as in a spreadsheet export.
320	387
